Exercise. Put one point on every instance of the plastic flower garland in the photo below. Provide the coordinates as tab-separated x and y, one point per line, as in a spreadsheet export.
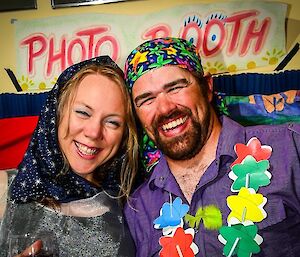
249	172
175	240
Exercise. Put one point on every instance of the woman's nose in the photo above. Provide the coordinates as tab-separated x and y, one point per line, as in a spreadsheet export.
93	130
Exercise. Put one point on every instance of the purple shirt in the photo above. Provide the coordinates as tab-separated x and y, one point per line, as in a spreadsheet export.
280	229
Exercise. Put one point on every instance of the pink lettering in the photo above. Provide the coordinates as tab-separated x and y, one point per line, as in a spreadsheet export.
218	42
77	42
60	56
236	20
260	35
114	44
189	29
91	33
235	34
86	44
162	30
32	42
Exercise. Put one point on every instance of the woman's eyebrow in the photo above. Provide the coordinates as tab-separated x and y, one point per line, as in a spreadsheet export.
83	104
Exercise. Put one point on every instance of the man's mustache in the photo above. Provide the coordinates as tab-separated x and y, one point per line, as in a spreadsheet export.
172	115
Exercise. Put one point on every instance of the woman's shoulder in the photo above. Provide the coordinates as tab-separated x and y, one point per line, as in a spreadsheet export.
95	206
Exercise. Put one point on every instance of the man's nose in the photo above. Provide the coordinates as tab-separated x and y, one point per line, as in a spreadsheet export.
164	103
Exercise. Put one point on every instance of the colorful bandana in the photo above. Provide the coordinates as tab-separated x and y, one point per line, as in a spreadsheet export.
39	173
160	52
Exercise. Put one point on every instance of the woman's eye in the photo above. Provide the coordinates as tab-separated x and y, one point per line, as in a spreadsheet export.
113	124
82	113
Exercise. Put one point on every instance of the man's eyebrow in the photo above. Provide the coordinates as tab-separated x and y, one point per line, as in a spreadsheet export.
175	82
142	96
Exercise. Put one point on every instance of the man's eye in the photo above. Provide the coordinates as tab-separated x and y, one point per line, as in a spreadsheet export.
146	101
176	89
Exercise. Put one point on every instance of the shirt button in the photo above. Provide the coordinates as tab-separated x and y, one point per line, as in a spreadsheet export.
161	178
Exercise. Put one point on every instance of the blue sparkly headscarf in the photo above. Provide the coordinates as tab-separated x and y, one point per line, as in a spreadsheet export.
39	173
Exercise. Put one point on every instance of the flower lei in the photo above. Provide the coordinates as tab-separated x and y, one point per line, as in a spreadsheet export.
249	171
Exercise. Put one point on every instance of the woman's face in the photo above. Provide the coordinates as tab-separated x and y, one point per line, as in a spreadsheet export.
92	126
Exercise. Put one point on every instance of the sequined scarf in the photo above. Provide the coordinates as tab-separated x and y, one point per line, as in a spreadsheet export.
39	173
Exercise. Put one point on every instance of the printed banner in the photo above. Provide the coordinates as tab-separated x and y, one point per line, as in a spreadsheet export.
229	36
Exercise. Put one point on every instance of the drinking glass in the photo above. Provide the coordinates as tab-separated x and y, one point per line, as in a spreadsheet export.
17	243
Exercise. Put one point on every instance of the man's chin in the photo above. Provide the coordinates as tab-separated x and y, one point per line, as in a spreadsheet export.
181	147
174	150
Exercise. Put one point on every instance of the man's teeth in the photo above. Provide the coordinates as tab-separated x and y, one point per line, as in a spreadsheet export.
86	150
174	123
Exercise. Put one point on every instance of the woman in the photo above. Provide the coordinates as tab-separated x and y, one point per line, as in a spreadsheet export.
80	162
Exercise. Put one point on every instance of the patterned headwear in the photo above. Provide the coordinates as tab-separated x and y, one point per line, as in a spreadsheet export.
39	173
160	52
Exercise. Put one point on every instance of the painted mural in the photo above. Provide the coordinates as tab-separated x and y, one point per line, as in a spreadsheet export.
229	36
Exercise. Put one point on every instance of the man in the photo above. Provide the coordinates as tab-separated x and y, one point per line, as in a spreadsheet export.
194	202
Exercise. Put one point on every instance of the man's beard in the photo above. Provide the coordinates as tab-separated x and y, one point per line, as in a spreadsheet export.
186	146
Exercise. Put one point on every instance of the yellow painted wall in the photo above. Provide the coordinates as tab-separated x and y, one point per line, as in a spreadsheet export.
7	39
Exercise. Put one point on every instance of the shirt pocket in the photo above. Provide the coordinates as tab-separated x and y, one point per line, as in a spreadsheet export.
155	246
275	213
279	230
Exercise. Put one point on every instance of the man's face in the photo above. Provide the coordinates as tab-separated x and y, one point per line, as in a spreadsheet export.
175	114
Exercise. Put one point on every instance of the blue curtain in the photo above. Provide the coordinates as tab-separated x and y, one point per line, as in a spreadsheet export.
253	98
18	105
257	83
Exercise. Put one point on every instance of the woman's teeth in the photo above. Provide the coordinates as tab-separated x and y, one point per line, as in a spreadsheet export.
86	150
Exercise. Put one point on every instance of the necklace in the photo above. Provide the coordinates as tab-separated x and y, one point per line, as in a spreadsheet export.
249	172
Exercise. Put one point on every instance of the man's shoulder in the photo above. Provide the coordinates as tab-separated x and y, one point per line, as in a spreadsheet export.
136	198
144	195
228	123
274	128
141	191
277	136
149	184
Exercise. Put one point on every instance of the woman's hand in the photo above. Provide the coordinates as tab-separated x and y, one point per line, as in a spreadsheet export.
32	249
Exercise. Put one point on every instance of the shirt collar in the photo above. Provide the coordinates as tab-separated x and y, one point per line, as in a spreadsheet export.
231	134
162	177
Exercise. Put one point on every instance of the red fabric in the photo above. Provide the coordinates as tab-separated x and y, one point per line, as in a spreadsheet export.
14	138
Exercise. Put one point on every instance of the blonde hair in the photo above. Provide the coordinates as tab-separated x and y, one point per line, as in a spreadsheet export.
130	141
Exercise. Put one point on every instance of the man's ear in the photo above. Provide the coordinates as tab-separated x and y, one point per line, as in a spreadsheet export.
209	80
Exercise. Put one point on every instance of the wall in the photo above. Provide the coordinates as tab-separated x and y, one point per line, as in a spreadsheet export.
8	54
